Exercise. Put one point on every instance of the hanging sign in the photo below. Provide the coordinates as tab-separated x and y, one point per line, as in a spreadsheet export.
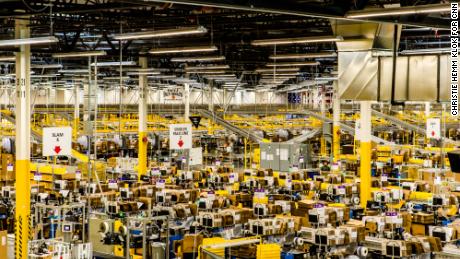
57	141
180	136
196	156
173	94
433	128
195	121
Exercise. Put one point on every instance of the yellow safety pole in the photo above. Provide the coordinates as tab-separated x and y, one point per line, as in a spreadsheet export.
365	152
76	115
245	152
22	211
142	152
336	124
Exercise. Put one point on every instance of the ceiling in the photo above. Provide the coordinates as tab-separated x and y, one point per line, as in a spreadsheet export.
231	25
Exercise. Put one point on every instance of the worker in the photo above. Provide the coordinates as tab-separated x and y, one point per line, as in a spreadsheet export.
325	166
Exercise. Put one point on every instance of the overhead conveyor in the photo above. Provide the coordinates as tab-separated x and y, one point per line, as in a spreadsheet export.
304	137
410	126
212	116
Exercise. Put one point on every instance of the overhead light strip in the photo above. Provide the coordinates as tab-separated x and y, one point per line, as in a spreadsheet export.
293	64
7	58
287	41
80	54
207	67
396	11
183	50
114	63
275	70
199	59
28	41
306	56
161	33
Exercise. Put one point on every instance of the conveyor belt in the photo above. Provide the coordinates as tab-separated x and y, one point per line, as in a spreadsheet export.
409	126
304	137
212	116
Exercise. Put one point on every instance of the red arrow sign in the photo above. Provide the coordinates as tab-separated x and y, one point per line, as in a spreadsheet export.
180	143
57	149
433	133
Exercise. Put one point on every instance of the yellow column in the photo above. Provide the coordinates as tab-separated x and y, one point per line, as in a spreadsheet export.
336	124
142	153
365	152
22	212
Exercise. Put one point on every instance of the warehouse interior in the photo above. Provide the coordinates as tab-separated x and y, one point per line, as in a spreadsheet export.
262	129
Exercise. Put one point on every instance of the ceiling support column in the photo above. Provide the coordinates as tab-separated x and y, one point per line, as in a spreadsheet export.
365	152
142	140
186	101
22	211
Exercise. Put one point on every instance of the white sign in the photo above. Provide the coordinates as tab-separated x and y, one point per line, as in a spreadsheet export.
57	141
173	94
180	136
433	128
196	156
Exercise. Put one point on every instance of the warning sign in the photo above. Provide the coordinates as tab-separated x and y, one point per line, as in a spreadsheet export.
433	128
180	136
173	94
57	141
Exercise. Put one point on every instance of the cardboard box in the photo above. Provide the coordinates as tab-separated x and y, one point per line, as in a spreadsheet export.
189	241
418	229
8	167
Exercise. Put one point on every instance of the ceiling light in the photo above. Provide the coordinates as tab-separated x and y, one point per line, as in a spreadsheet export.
407	10
299	56
281	74
425	51
296	40
162	77
73	71
291	69
161	33
198	59
325	78
115	63
7	58
183	50
207	67
28	41
143	73
44	76
79	54
291	64
207	72
41	66
116	78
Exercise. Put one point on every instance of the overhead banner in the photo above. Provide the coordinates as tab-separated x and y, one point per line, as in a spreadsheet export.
57	141
180	136
173	94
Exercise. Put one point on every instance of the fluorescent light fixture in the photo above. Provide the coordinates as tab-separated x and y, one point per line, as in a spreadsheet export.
426	51
143	73
274	70
44	76
301	56
396	11
73	71
161	33
207	67
41	66
7	58
183	50
116	78
207	72
28	41
296	40
162	77
199	59
293	64
114	64
80	54
281	74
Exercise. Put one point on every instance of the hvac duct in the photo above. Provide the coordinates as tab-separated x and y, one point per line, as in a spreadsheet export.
367	68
